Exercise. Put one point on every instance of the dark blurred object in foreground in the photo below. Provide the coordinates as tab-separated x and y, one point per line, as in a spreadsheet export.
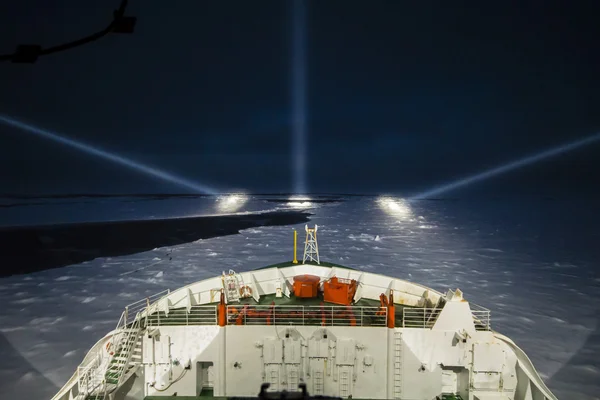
302	394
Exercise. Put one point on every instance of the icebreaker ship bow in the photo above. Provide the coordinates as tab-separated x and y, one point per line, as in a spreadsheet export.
339	331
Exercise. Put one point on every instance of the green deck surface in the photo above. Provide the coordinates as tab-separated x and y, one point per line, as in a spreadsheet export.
206	394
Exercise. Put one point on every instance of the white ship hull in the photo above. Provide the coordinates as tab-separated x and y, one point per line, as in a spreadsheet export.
437	345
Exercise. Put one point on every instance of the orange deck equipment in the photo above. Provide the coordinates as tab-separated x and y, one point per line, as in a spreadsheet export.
339	291
306	286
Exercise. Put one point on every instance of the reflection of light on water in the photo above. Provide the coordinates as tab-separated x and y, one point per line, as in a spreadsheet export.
396	207
299	202
231	203
296	204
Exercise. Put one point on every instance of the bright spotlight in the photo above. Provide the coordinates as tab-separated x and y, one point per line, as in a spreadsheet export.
231	203
299	202
115	158
396	207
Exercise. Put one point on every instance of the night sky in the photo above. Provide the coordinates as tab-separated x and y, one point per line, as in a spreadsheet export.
402	96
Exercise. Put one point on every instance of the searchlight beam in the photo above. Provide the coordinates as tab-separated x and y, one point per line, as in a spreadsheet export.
299	96
555	151
103	154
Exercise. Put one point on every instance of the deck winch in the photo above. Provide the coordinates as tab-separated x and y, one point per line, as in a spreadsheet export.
339	290
306	286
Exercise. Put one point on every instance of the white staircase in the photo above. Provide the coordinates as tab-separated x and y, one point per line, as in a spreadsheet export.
114	363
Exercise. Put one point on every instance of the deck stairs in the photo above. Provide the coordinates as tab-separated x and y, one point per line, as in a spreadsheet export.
107	372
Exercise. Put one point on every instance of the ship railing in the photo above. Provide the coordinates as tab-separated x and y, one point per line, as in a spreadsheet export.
195	315
306	315
142	305
481	317
420	317
88	379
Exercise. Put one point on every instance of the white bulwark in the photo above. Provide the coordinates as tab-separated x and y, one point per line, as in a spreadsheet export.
397	340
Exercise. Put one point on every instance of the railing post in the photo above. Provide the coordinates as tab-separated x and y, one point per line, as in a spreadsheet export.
391	312
361	316
303	315
148	320
186	316
331	316
126	314
403	318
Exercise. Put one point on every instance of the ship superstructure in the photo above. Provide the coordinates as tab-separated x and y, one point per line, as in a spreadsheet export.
342	332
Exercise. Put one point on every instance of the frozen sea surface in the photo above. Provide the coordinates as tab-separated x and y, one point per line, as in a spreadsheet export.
532	262
23	211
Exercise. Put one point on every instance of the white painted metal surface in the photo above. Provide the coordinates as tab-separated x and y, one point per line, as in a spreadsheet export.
442	344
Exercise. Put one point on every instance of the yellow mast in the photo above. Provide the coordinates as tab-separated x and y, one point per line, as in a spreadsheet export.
295	261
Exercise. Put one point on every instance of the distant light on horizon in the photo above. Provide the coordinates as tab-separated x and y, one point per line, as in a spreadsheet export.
105	155
490	173
299	85
299	201
231	203
396	207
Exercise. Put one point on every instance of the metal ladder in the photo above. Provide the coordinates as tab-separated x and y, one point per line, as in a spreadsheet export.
111	376
397	365
293	380
344	384
120	365
318	383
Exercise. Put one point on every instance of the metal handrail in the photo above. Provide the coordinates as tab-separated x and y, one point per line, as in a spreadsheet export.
426	317
196	315
306	315
481	317
143	305
420	317
87	380
127	347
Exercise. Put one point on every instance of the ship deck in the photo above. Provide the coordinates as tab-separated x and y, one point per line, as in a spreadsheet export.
268	309
283	311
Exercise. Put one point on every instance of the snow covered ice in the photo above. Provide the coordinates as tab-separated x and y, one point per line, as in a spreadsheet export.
531	262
